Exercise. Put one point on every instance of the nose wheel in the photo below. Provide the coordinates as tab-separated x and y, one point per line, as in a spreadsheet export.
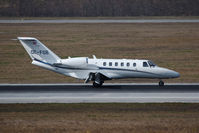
161	83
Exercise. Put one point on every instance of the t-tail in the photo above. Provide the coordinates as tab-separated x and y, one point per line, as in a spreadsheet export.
38	51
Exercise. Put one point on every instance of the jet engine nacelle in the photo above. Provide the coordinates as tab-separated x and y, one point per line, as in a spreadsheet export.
75	62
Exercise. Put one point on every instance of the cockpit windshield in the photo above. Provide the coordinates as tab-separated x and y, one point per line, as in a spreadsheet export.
151	64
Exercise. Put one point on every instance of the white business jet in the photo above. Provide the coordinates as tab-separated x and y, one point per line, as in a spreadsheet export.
93	69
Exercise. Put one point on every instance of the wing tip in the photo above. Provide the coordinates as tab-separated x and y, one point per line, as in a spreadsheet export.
26	38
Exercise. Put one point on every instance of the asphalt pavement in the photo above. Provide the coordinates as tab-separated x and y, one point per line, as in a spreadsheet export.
109	93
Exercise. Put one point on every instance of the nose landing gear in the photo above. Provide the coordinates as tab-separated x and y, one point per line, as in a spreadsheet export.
161	83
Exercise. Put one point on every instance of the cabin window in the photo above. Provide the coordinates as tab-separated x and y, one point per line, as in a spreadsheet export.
104	63
127	64
110	63
145	64
122	63
134	64
116	63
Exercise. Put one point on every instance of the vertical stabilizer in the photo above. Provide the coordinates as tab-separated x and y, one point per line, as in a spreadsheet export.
38	51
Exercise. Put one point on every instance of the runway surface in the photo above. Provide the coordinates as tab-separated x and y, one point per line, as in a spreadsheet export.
85	93
105	21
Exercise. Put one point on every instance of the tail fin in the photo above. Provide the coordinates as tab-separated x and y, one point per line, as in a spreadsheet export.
38	51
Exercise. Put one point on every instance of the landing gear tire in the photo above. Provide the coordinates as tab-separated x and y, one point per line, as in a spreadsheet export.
161	83
96	85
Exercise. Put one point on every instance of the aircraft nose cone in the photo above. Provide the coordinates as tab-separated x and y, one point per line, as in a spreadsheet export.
167	73
173	74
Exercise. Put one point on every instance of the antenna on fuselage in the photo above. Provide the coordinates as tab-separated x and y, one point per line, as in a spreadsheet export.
94	57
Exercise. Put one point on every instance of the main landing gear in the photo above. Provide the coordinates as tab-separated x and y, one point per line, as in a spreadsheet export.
96	85
161	83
